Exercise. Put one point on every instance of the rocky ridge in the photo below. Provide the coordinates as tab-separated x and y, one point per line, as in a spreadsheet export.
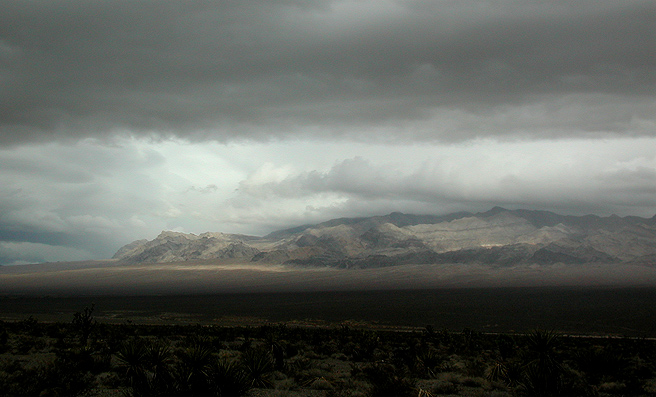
497	237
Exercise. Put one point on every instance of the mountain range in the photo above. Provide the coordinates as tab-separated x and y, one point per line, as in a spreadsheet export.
498	237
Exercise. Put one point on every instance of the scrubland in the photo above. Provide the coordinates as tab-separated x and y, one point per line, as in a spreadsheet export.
90	358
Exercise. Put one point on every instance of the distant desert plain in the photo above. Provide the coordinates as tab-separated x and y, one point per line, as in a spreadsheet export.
232	276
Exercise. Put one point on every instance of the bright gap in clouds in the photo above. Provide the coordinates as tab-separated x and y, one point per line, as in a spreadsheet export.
71	201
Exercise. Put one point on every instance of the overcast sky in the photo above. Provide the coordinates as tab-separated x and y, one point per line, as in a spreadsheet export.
119	119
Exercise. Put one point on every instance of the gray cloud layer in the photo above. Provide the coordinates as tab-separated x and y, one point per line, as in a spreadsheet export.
120	118
573	176
428	70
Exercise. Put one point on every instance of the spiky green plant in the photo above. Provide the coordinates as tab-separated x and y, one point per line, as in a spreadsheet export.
258	364
195	369
229	378
160	361
543	370
133	363
429	362
508	372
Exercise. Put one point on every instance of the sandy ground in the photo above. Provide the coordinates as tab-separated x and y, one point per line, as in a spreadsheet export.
212	276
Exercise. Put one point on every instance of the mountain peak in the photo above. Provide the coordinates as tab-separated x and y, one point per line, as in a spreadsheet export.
498	236
172	234
494	211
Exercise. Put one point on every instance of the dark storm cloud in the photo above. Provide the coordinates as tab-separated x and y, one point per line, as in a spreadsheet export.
109	110
257	69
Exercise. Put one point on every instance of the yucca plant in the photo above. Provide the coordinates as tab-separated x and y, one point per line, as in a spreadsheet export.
429	361
195	369
133	363
160	361
509	372
543	344
229	378
543	371
424	393
258	365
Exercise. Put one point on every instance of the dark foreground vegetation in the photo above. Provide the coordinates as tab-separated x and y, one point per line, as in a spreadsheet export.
84	357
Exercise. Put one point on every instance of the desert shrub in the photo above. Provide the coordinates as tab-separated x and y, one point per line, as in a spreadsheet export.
612	388
11	372
476	366
473	382
469	342
599	364
111	337
29	326
82	358
404	356
328	347
302	369
506	346
218	344
26	343
574	383
444	387
363	345
292	349
59	377
350	387
444	338
67	376
285	384
321	384
306	377
84	323
635	375
496	393
650	387
387	380
4	339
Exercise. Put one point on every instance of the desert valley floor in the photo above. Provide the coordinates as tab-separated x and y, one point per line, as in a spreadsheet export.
588	299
